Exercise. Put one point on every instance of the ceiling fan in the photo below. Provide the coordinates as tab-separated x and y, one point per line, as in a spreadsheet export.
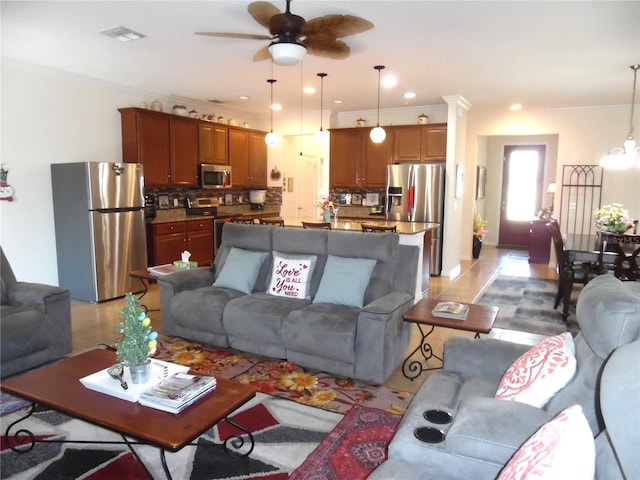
292	36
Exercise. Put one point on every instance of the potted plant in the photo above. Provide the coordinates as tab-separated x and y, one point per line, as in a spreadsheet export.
612	218
479	231
138	341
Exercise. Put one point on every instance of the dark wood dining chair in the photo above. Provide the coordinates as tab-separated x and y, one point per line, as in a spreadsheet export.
568	272
326	226
378	228
626	263
245	221
272	221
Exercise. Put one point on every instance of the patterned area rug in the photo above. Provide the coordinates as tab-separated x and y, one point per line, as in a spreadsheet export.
526	304
282	378
285	434
353	449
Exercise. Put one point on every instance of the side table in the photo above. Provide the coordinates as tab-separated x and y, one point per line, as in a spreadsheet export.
480	319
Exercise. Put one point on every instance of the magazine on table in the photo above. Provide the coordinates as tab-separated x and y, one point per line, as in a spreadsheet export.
177	391
453	310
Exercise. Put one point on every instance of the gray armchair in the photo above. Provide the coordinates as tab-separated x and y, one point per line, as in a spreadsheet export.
35	323
485	432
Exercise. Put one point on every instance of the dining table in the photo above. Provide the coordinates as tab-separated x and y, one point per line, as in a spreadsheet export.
586	248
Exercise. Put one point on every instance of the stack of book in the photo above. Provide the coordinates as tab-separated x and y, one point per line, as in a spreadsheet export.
176	392
453	310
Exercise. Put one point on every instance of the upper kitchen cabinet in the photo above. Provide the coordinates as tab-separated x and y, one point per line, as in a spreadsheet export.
166	145
212	143
357	162
420	143
248	158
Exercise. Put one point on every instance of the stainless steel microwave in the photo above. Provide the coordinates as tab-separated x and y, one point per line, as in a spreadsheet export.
215	176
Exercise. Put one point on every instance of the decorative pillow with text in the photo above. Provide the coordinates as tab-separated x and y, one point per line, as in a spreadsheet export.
562	448
291	275
540	373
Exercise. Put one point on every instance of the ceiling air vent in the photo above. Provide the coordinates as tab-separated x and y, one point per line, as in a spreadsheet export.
122	33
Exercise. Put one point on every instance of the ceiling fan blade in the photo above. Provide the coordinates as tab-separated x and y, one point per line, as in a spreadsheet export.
262	54
249	36
262	12
336	25
326	46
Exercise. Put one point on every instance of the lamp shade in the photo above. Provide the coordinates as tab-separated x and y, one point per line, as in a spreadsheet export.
284	53
377	135
271	138
322	137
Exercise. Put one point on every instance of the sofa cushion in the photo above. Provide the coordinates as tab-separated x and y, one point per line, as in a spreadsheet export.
345	281
240	270
201	309
23	332
540	373
561	448
291	275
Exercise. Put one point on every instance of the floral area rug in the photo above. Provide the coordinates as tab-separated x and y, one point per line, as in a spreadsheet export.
353	449
282	378
285	433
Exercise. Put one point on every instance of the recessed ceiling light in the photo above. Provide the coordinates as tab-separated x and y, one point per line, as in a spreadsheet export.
409	95
515	106
123	34
276	106
309	90
337	101
243	97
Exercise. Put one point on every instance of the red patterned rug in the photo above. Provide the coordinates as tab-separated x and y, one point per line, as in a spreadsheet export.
282	378
353	449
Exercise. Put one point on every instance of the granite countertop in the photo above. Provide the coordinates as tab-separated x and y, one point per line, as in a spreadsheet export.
405	228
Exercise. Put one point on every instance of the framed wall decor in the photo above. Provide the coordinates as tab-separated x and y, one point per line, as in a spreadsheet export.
163	202
481	181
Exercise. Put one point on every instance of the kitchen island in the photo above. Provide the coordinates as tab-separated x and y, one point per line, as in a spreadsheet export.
411	233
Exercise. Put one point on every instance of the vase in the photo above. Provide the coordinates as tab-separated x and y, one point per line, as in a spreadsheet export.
477	246
326	216
141	373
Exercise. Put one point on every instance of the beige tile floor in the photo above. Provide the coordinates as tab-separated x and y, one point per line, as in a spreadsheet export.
94	324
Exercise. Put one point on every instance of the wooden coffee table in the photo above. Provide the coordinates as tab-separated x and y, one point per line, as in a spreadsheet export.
480	319
58	386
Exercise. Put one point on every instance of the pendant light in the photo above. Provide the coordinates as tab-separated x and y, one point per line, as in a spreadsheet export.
626	157
378	134
321	136
271	138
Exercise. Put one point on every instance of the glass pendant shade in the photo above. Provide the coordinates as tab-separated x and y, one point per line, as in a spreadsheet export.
322	137
628	156
284	53
271	138
377	134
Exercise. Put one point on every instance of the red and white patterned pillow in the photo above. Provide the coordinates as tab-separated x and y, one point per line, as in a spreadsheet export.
291	275
540	373
561	449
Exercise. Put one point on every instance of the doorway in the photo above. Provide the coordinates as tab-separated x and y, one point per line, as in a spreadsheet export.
522	186
306	178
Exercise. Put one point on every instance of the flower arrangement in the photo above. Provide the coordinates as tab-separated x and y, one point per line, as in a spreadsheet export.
325	203
138	341
612	218
479	224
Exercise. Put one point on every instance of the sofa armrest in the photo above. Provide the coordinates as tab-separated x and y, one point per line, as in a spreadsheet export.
488	357
492	430
392	305
186	280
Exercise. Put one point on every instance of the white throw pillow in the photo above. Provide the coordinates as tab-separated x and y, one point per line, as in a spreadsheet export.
561	449
540	373
291	275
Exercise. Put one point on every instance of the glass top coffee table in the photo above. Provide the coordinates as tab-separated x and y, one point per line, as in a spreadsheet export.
58	386
480	319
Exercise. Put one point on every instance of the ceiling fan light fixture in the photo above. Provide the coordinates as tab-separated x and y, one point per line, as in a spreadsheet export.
377	134
285	53
628	156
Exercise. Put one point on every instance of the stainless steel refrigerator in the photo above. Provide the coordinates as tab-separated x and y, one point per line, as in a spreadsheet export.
98	208
415	193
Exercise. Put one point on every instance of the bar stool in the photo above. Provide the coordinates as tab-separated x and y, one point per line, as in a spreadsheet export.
272	221
378	228
326	226
245	221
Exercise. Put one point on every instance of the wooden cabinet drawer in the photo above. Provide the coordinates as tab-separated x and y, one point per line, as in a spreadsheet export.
169	228
199	225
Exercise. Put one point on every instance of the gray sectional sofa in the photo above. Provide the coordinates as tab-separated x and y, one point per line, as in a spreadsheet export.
349	323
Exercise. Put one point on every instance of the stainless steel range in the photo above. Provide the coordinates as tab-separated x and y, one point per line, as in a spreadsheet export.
208	206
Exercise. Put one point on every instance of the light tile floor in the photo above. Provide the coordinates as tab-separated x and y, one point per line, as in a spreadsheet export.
93	324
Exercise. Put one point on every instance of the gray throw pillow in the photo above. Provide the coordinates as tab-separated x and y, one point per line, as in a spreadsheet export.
344	281
240	270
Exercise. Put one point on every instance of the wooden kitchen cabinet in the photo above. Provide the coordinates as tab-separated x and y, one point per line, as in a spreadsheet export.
420	143
212	143
357	162
248	158
184	152
167	241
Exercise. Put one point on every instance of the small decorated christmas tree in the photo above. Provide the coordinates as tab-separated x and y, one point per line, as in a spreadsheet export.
138	341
